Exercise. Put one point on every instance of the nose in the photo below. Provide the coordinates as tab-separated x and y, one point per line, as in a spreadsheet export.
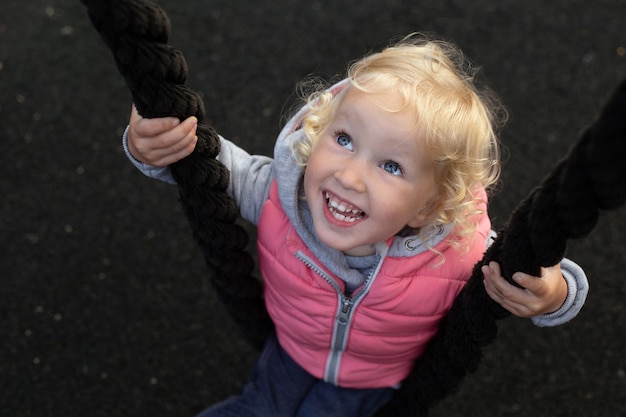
351	176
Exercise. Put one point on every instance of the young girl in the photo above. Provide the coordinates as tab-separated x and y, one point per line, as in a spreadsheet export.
370	219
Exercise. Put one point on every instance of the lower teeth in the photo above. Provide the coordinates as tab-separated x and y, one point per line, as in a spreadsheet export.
343	217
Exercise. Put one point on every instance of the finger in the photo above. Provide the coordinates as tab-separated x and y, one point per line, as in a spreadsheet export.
523	302
181	138
494	278
154	127
489	279
510	297
490	284
170	141
516	301
495	268
533	284
506	303
179	150
526	281
151	127
183	147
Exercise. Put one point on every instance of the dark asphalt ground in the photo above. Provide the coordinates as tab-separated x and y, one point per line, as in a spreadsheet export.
105	307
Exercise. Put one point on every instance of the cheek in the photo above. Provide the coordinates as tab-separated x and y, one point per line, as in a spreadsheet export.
395	208
306	183
405	204
314	169
310	181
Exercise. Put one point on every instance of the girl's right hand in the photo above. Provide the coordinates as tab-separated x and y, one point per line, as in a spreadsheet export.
161	141
538	295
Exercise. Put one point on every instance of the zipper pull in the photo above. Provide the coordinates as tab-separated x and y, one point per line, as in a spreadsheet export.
346	307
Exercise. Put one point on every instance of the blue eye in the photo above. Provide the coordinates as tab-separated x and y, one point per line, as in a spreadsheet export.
344	141
392	167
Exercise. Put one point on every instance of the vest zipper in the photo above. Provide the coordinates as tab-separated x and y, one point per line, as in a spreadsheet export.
343	316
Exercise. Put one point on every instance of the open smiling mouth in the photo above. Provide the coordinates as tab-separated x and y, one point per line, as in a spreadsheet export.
343	211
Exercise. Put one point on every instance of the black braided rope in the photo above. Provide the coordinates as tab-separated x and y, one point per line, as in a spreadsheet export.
137	32
566	205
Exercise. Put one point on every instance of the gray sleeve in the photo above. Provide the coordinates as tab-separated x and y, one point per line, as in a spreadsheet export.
250	176
577	289
250	180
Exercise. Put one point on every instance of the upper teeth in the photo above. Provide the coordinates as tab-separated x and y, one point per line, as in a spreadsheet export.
346	214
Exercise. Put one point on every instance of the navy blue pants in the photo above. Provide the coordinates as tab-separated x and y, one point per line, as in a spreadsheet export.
279	387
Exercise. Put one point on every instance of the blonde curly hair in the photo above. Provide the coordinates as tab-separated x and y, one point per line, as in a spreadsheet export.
455	121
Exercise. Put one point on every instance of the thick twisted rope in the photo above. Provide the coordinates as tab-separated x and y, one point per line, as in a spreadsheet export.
566	205
137	32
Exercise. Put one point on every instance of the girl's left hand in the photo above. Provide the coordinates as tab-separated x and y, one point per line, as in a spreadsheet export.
539	295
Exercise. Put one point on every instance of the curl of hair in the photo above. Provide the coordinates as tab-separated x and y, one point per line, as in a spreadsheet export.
456	121
322	107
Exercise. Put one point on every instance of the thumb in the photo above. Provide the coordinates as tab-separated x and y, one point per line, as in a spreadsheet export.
523	280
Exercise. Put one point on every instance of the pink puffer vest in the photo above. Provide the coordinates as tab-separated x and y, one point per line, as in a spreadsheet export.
388	328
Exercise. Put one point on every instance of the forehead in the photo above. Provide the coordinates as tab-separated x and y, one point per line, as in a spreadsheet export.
388	100
384	113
